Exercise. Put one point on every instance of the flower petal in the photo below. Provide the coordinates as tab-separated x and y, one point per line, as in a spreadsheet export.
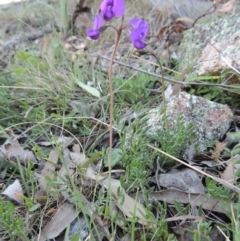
106	9
118	8
139	44
144	31
139	34
138	22
143	23
135	22
105	5
93	34
107	15
98	22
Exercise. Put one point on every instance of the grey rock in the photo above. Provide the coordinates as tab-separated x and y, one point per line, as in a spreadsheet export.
212	46
211	120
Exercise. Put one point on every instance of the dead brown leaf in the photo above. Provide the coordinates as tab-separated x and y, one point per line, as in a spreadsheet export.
185	180
13	150
14	191
227	7
50	165
125	203
51	210
218	150
65	214
228	174
169	196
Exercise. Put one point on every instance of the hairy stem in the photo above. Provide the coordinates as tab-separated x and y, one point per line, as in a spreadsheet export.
110	81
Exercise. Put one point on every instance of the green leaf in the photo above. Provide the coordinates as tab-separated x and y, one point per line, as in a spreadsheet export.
89	89
116	157
76	237
178	207
19	71
34	207
233	137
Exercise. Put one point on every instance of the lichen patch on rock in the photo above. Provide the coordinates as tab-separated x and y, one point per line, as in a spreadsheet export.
211	120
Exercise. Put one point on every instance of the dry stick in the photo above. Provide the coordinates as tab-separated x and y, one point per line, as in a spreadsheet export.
226	184
209	11
226	238
167	78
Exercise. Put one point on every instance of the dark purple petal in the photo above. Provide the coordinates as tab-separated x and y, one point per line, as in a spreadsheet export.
98	22
139	44
93	34
144	31
138	34
106	9
107	15
137	37
118	8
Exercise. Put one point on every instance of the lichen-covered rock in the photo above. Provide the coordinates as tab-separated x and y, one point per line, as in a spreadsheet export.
211	120
212	47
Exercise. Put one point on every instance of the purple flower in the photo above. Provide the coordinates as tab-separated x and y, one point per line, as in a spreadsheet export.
138	22
139	32
112	8
95	32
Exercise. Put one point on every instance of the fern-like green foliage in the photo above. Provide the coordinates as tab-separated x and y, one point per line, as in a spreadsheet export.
174	140
12	225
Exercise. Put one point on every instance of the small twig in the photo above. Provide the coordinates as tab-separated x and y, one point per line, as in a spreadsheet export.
224	183
156	174
167	78
226	238
205	14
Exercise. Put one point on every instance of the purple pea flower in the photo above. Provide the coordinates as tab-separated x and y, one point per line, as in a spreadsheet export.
138	22
139	32
112	8
95	32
